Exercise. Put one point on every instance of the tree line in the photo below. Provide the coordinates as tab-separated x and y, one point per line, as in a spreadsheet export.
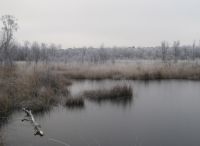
11	51
47	53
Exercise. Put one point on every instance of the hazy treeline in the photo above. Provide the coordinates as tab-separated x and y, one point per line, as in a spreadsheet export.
11	51
42	52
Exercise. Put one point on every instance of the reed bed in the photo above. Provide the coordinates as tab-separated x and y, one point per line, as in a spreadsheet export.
133	71
40	86
37	89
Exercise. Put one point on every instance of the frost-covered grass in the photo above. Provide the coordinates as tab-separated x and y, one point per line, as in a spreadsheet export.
153	70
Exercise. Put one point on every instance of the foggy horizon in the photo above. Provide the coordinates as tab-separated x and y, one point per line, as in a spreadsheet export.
76	23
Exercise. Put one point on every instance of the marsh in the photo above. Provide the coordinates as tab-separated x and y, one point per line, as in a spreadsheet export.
160	113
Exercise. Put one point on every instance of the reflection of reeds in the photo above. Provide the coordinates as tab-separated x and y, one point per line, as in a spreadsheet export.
75	103
118	93
1	139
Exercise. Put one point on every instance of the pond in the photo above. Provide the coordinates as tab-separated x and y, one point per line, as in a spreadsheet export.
161	113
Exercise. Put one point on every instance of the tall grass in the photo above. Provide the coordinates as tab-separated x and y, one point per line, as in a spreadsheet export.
36	88
40	86
135	71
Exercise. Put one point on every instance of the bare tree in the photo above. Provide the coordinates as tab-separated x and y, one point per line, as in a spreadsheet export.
35	48
176	51
164	47
44	53
193	50
83	53
26	52
6	44
52	53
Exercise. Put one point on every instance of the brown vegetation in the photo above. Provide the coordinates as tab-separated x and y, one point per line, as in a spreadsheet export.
118	92
135	71
38	88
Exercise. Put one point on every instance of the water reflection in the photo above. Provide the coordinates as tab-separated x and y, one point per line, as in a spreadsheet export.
75	103
164	113
42	113
120	101
115	93
1	139
74	107
3	121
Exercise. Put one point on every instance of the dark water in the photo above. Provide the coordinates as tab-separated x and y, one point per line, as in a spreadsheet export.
165	113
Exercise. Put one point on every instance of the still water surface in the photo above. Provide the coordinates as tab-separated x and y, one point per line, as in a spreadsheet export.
165	113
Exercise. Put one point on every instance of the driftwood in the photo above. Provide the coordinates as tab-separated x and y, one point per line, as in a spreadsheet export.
29	117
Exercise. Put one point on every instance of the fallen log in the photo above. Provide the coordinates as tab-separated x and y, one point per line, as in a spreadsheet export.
29	117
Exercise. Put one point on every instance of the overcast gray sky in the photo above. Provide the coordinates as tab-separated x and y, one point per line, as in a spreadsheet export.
75	23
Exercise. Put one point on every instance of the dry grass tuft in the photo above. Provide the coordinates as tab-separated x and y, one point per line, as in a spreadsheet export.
119	92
